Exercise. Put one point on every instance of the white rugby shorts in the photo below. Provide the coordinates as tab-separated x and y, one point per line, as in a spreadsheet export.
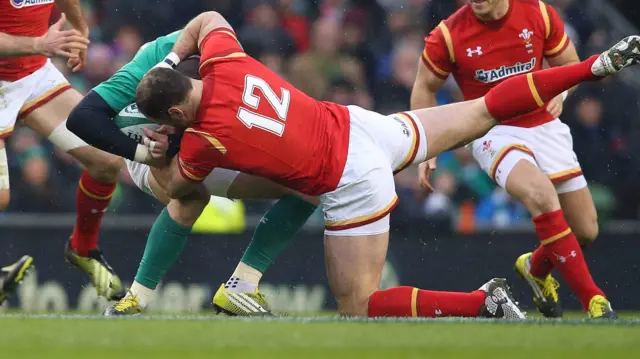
548	147
19	98
217	183
379	146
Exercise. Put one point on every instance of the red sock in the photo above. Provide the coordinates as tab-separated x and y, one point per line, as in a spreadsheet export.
563	249
522	94
541	266
92	200
414	302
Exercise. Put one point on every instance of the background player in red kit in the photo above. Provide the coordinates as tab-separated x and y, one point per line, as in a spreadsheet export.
531	156
37	94
243	116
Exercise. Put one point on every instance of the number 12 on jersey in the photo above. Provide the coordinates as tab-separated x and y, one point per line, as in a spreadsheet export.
280	105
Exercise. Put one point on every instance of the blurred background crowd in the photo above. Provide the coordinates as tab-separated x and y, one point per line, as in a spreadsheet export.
362	52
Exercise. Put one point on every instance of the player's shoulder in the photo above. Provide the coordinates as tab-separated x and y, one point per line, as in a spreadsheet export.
459	18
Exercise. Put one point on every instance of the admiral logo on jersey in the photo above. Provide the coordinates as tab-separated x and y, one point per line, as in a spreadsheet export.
503	72
26	3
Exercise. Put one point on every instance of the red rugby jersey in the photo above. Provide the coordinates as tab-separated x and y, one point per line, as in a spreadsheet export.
481	55
28	18
253	121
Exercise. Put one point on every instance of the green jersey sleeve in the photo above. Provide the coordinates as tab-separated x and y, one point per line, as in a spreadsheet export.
120	89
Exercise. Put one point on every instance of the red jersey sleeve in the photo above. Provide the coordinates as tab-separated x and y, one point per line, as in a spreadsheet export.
219	44
437	52
556	39
199	155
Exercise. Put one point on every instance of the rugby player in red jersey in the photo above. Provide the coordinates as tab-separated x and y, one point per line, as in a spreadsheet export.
242	116
37	94
531	156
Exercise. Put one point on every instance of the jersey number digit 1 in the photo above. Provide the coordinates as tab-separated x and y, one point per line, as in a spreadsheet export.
279	104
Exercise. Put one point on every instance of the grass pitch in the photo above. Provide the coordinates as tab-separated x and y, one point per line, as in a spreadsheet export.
75	336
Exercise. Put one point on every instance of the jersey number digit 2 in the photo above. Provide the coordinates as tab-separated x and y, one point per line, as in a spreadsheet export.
279	104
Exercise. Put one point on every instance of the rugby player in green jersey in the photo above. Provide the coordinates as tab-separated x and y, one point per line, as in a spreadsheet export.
99	120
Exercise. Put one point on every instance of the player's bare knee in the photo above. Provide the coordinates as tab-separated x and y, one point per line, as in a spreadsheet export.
5	198
588	231
107	170
539	200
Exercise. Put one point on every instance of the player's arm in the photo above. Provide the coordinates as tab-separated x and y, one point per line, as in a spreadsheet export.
433	71
73	12
92	121
54	43
193	34
195	161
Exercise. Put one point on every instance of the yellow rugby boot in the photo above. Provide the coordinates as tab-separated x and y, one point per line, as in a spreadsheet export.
12	275
600	308
545	292
129	305
240	303
102	276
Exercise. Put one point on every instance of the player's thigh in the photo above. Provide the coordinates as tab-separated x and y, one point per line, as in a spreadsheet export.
13	95
451	126
356	217
245	186
5	194
398	140
505	153
143	178
354	268
50	102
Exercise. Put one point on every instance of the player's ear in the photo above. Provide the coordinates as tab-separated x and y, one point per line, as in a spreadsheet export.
177	116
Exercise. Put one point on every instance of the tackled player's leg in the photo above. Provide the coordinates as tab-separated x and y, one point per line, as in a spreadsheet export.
169	234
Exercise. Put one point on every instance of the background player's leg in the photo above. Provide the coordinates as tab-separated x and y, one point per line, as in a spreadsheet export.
527	183
94	193
5	193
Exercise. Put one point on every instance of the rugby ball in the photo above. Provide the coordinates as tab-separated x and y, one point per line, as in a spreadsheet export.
131	122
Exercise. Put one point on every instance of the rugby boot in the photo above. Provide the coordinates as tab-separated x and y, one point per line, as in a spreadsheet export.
499	302
623	54
129	305
240	304
102	276
545	292
600	308
12	275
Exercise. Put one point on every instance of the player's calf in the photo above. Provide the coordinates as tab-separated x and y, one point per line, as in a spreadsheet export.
580	213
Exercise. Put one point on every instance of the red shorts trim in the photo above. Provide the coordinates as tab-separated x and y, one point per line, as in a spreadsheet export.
363	220
44	99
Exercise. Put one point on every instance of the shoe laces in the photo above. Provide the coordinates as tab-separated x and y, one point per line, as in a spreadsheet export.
127	302
550	288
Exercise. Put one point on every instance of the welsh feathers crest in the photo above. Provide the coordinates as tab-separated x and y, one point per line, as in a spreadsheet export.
526	35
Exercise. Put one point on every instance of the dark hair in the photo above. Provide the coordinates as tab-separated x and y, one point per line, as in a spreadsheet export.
190	67
161	89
